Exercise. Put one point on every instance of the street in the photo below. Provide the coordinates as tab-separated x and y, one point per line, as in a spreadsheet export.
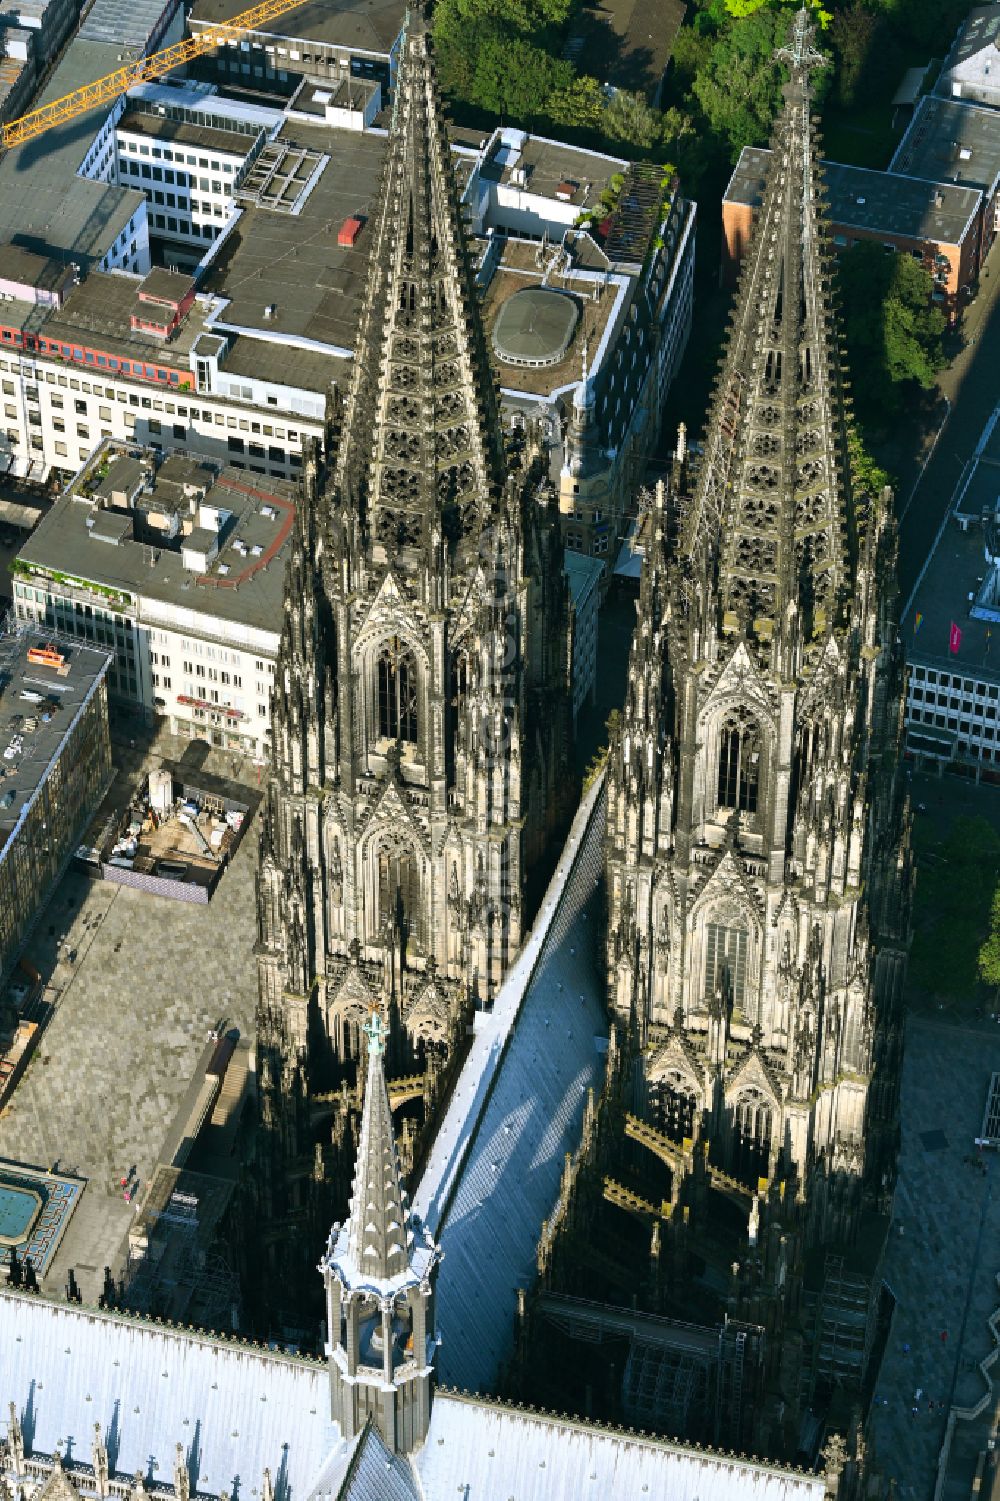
971	386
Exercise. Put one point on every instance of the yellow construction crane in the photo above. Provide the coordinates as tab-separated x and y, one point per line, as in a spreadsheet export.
106	90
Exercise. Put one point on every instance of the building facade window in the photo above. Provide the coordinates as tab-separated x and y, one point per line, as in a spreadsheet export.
739	762
397	693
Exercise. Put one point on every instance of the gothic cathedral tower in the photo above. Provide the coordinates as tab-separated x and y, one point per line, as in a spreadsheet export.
420	719
758	861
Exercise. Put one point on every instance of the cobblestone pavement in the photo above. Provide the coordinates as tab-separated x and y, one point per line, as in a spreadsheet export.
151	977
943	1253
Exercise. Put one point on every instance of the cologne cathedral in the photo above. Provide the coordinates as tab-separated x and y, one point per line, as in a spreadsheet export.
757	853
420	719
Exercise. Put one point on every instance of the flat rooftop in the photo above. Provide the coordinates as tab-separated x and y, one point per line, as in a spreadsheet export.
292	263
187	132
956	569
44	206
112	546
863	199
550	165
948	141
102	306
123	23
517	272
38	706
361	25
980	29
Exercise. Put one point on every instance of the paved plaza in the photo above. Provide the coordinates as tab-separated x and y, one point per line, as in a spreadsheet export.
149	980
942	1259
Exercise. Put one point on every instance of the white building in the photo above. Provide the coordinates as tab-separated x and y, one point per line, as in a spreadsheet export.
177	565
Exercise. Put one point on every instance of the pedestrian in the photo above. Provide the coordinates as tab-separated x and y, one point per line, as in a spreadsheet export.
944	1336
918	1394
914	1410
906	1349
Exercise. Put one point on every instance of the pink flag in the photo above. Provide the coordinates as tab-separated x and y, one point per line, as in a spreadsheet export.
954	639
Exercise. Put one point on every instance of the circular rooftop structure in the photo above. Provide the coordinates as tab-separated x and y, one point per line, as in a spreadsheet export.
535	327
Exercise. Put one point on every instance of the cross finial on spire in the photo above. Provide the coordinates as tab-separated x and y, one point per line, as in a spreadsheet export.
374	1030
798	51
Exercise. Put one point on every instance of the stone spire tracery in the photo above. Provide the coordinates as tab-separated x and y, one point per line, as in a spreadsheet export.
422	450
758	864
773	493
421	708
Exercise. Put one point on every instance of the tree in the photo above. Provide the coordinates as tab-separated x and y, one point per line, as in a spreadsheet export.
579	105
513	77
852	35
631	121
894	332
739	85
989	953
740	8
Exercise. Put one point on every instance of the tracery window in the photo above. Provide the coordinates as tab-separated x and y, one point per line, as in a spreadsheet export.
752	1124
725	961
739	762
672	1104
397	692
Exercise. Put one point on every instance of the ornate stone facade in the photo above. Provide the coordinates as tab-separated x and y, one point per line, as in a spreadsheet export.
420	721
758	863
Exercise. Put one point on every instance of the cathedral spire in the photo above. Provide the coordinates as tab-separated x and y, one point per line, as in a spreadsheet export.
772	500
421	452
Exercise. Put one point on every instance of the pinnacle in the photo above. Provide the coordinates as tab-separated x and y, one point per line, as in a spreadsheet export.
377	1226
421	454
771	494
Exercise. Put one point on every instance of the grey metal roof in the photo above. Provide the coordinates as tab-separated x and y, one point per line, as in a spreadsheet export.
882	202
374	1474
949	141
235	1409
494	1171
43	204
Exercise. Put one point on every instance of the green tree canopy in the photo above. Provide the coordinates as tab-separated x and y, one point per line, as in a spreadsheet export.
630	120
739	84
894	332
989	954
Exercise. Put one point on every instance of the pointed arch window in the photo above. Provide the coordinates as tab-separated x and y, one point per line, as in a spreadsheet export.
397	692
739	762
725	961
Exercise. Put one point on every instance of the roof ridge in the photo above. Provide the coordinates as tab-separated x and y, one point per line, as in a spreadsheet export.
658	1440
153	1322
